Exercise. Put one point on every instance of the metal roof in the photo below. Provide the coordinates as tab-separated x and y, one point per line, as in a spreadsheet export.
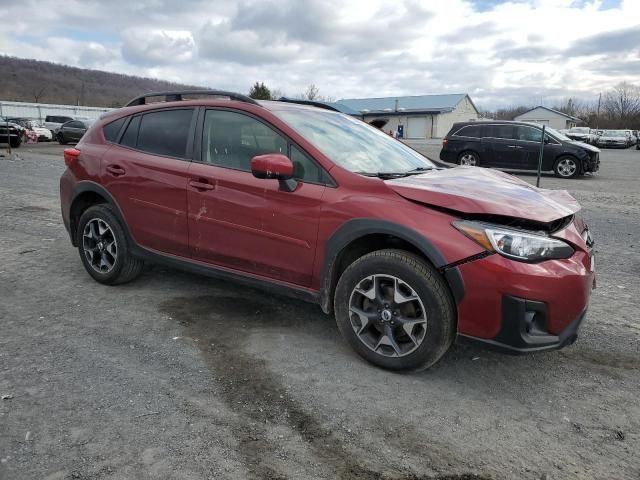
422	103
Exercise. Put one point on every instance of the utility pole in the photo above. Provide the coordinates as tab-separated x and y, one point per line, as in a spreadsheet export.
598	113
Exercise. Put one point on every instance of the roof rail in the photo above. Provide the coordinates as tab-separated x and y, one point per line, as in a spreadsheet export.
312	103
177	96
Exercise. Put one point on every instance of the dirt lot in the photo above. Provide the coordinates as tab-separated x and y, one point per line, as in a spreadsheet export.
180	376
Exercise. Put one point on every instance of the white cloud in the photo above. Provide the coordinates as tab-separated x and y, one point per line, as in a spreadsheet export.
517	51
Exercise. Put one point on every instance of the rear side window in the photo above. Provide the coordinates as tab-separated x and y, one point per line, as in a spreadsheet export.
469	131
130	137
502	131
165	132
111	130
74	124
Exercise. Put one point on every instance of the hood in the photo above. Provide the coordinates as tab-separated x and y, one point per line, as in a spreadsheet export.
586	146
479	190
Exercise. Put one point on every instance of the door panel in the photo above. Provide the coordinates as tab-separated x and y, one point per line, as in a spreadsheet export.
247	223
291	229
225	222
152	193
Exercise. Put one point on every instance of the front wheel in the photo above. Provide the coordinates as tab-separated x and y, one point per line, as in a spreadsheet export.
566	167
103	247
61	139
395	310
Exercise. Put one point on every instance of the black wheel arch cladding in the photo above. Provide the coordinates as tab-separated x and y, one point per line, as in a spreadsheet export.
357	228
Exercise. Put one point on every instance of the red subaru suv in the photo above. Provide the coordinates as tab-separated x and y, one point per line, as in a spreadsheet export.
304	200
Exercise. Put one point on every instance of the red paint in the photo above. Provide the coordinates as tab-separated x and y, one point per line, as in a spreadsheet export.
231	220
70	156
272	165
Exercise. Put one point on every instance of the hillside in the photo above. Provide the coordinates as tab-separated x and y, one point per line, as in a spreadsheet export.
26	80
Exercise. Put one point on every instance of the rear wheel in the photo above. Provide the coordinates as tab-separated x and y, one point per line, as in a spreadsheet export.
567	167
61	139
395	310
103	247
469	158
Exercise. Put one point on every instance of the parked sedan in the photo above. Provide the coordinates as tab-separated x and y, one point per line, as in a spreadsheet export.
72	132
11	133
43	134
613	138
581	134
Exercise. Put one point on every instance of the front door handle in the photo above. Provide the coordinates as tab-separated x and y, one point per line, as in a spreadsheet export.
116	170
514	146
201	185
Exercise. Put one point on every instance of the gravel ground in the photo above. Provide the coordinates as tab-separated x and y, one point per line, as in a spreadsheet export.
181	376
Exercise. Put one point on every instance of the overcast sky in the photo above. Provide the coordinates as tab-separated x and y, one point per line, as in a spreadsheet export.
500	52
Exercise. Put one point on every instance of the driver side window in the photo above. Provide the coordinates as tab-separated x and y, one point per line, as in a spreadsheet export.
232	139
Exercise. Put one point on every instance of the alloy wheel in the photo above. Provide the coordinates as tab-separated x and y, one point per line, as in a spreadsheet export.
567	167
387	315
99	245
468	159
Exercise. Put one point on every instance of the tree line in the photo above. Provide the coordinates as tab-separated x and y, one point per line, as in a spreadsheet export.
616	108
260	91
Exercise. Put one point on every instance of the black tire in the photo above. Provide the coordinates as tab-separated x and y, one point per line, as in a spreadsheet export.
469	158
61	139
15	142
125	267
433	293
567	166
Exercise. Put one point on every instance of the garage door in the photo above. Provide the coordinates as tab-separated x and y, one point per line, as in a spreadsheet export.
417	127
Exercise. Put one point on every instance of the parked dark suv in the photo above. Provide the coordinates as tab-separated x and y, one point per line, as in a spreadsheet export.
516	145
322	206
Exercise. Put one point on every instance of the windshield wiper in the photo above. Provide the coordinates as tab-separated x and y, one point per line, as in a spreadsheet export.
388	175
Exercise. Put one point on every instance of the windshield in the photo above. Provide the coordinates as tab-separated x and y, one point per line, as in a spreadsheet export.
353	144
557	134
614	133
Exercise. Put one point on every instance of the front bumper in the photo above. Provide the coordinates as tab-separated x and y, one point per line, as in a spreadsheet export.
523	329
526	307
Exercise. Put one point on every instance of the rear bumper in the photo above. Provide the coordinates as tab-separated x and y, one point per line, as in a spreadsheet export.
522	330
448	156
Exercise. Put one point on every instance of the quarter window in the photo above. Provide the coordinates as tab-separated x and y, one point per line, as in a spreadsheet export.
165	132
112	129
469	131
304	168
130	137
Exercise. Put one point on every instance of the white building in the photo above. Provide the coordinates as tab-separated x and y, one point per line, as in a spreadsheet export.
550	117
417	117
39	111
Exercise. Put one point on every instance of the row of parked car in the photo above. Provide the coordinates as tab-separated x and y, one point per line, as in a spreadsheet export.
604	138
64	129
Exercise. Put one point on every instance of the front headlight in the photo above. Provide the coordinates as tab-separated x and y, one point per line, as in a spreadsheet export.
515	244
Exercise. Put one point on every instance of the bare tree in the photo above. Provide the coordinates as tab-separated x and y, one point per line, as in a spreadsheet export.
311	93
38	93
622	103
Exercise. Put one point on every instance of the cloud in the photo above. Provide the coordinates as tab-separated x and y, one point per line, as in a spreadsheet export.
501	52
157	47
616	41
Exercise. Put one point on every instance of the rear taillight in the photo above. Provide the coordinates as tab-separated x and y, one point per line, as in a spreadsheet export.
444	142
70	156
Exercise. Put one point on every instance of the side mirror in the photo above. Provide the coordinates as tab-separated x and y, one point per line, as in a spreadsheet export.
546	140
275	166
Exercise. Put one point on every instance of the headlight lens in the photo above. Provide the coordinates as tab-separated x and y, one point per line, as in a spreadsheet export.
515	244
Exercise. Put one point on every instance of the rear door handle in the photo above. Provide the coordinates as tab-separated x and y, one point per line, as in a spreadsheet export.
514	146
201	184
116	170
